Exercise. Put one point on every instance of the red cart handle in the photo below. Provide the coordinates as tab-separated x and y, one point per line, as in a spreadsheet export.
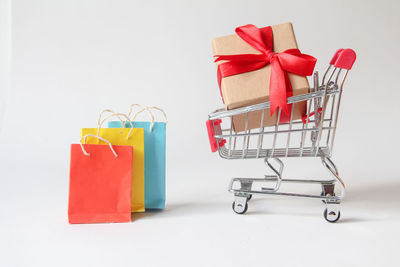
344	58
214	144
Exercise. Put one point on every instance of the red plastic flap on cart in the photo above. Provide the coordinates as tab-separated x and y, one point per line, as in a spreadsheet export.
211	133
333	60
344	58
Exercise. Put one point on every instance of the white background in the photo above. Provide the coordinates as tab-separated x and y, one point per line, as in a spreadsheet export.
61	62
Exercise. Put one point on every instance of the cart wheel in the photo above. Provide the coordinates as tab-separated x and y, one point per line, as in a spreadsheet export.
249	197
332	216
239	209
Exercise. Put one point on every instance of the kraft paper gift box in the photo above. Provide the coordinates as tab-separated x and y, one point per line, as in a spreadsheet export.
252	87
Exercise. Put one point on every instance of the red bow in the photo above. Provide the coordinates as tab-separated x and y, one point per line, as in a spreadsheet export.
291	60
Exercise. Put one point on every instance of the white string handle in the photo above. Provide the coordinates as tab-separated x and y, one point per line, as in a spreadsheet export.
149	112
110	111
131	108
123	124
98	137
148	109
162	111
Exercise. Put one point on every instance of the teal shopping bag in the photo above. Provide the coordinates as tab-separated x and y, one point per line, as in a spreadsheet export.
154	161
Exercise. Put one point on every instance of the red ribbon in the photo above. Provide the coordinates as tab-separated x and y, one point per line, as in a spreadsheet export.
304	117
291	60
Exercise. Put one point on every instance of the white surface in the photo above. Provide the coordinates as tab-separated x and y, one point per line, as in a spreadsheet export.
70	59
5	52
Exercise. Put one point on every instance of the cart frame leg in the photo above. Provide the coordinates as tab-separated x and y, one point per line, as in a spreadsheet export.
278	173
328	163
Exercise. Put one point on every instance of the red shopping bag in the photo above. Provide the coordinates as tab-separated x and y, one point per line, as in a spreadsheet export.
100	183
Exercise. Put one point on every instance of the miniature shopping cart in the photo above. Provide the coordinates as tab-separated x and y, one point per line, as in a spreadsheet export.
313	136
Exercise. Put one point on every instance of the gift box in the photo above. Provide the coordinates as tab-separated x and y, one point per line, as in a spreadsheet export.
253	59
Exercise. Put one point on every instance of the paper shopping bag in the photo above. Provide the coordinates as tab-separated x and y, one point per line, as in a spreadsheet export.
154	150
131	137
100	183
154	161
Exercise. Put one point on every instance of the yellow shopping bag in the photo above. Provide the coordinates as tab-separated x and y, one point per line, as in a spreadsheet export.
125	136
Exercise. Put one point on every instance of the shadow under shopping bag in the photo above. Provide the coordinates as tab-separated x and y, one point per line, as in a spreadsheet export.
154	161
100	183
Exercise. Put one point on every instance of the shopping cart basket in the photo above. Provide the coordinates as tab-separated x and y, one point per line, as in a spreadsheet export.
313	136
